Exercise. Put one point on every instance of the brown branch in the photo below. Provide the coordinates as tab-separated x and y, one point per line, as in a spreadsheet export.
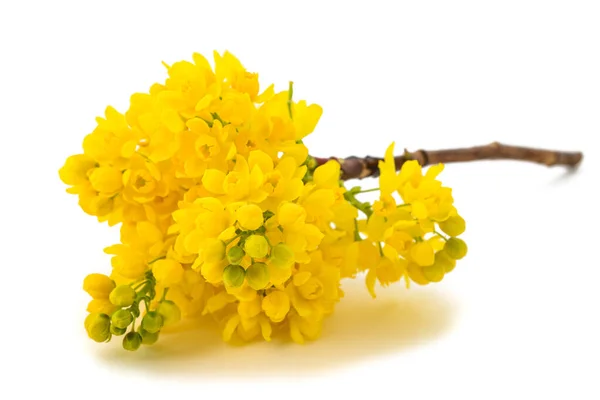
363	167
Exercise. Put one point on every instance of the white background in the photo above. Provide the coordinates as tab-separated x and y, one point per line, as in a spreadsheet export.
518	318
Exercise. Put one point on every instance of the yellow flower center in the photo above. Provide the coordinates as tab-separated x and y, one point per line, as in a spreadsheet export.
143	182
312	289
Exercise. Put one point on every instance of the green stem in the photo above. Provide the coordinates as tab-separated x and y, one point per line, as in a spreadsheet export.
146	303
440	235
156	259
368	190
350	196
218	118
164	296
357	237
289	102
139	285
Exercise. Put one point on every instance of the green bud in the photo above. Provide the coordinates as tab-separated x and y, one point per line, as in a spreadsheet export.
98	327
152	322
282	255
434	273
257	276
148	338
117	331
233	275
169	312
453	226
456	248
121	318
132	341
122	296
235	255
442	258
256	246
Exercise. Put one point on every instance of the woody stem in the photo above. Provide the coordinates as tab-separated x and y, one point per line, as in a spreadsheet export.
363	167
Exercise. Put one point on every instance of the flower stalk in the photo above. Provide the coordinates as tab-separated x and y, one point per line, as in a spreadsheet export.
364	167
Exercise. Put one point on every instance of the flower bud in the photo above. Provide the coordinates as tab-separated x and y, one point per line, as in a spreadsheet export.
422	253
291	216
257	276
169	311
453	226
132	341
456	248
235	255
117	331
434	273
152	321
250	217
98	327
415	273
121	318
256	246
442	258
233	275
213	250
98	286
122	296
148	338
102	306
282	256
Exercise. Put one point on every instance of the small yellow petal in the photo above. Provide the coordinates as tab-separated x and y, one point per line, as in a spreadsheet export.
213	181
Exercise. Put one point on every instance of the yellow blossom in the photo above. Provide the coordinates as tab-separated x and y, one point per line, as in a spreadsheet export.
222	212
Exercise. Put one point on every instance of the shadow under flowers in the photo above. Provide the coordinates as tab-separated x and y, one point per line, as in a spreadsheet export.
360	328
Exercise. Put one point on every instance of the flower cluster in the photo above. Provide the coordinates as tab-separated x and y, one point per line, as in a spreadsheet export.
224	213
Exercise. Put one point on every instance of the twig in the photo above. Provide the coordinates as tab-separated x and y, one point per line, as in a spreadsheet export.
363	167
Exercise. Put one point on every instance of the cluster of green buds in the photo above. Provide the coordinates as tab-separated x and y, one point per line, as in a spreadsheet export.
454	249
122	307
250	253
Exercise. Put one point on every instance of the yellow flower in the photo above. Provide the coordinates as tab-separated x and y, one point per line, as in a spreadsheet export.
141	243
167	272
276	305
75	170
388	269
222	212
143	181
106	179
113	140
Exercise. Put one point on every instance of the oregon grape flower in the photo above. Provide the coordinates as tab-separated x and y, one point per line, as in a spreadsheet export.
224	213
